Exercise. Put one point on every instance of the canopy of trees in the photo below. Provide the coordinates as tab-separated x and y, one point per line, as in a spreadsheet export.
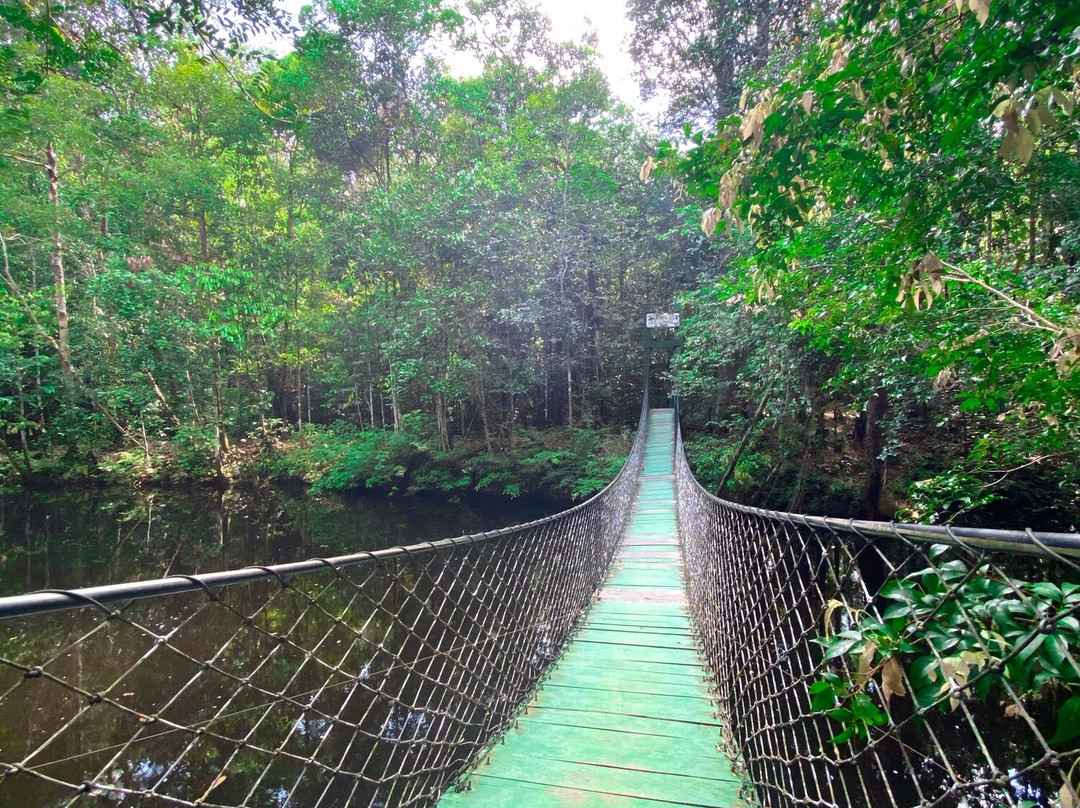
201	243
899	192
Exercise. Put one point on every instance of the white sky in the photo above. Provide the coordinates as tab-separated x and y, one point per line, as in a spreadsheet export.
570	19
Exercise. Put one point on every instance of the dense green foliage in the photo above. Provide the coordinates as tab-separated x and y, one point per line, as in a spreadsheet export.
203	246
951	632
900	198
896	333
561	463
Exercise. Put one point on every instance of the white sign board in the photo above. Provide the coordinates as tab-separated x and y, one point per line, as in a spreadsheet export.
662	320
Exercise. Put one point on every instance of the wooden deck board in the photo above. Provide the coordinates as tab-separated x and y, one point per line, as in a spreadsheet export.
624	721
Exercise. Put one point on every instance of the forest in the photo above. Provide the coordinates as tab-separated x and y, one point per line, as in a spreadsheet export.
341	265
346	266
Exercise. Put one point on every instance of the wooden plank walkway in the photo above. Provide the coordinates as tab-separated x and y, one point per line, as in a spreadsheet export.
624	720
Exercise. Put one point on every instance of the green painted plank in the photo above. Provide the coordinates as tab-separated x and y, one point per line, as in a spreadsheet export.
649	578
694	731
671	569
619	610
493	792
631	621
610	628
633	682
638	637
649	706
645	582
691	790
651	608
644	653
660	624
600	647
600	747
699	746
655	671
600	653
667	566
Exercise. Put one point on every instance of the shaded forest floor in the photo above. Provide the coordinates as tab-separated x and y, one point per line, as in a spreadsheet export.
830	475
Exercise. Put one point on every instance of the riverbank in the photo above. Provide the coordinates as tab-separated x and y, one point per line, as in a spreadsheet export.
558	464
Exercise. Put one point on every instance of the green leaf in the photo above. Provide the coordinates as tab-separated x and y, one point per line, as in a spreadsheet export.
1046	591
843	736
823	701
1068	722
1028	650
897	610
843	646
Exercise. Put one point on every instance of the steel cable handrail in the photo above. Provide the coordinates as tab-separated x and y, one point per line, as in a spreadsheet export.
859	663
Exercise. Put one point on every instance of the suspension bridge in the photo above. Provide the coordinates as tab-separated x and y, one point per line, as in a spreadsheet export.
652	646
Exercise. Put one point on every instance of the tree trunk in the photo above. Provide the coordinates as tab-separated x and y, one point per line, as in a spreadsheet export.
481	403
299	359
569	389
513	416
798	493
221	441
547	387
23	440
13	459
730	471
56	261
874	499
1031	235
290	211
204	239
395	402
440	417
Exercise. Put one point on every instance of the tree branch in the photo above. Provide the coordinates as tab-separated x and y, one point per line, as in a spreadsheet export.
962	276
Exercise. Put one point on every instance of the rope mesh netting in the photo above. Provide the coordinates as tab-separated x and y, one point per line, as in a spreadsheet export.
865	664
369	680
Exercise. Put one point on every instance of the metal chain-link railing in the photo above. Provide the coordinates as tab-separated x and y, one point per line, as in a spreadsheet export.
864	664
366	680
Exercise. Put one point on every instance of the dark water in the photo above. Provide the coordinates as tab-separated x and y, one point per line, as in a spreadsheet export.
70	539
353	687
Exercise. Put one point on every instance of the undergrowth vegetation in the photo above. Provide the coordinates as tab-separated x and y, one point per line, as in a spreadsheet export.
555	463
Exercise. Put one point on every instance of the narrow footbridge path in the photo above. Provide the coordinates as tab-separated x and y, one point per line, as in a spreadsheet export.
624	719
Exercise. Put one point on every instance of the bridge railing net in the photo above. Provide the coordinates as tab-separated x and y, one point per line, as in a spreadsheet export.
865	664
370	680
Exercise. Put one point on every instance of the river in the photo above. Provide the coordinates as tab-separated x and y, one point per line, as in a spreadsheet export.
69	539
259	693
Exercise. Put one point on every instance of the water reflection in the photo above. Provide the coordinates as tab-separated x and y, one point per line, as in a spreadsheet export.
65	540
360	686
